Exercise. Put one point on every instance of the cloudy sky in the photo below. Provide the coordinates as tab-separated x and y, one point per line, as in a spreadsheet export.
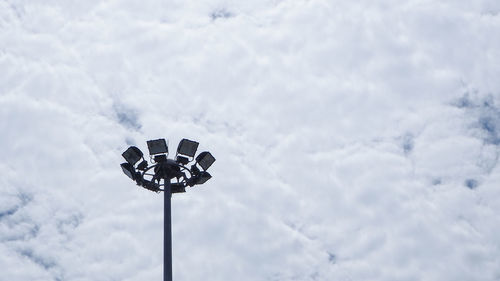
355	140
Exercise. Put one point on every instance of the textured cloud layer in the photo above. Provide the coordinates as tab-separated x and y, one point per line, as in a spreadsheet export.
354	141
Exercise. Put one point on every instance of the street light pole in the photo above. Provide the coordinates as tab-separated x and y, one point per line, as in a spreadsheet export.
167	231
167	169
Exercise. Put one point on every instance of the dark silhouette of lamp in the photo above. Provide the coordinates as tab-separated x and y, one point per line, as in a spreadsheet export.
164	170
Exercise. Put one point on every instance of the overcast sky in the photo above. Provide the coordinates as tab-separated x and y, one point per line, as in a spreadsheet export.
355	140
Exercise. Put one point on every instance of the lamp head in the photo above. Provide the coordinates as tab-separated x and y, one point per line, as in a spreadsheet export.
132	155
205	160
187	147
203	177
151	185
158	146
177	188
129	170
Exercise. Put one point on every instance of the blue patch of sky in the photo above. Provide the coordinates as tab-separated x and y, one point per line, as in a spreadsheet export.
9	216
464	102
71	222
471	183
489	123
487	114
220	13
8	212
127	117
43	262
437	181
24	198
332	258
34	231
408	143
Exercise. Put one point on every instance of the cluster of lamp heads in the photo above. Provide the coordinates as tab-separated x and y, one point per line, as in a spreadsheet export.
168	169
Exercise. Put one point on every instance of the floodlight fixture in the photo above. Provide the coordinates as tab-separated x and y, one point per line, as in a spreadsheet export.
129	170
132	155
151	185
202	178
205	160
177	188
187	147
158	146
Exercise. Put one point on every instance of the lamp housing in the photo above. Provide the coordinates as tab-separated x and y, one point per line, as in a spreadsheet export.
132	155
205	160
202	178
151	185
129	170
187	147
158	146
177	188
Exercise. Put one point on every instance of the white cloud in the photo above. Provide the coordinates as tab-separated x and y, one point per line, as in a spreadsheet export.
353	140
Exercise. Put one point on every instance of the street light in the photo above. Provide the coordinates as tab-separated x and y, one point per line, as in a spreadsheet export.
157	177
186	151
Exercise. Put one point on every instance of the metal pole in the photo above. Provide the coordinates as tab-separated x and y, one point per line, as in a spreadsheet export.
167	232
